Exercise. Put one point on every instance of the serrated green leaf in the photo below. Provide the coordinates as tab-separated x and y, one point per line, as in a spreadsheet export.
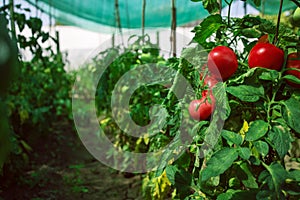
232	137
291	113
257	129
292	78
251	33
35	24
295	174
207	27
265	195
262	147
280	139
249	180
211	6
244	153
171	171
278	176
246	92
238	194
270	75
219	163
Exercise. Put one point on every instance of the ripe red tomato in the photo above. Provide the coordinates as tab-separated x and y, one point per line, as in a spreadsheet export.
201	109
293	62
267	56
222	60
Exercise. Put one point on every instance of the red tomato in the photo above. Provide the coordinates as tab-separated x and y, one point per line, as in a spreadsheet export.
222	60
201	109
293	62
266	55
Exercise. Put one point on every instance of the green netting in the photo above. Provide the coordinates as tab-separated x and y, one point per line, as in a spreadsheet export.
271	7
99	15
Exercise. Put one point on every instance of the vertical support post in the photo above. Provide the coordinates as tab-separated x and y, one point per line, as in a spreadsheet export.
262	8
143	17
117	18
173	28
245	8
157	39
57	41
12	19
113	40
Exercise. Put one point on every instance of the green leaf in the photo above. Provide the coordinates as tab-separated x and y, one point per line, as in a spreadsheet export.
232	137
270	75
278	176
295	174
219	163
183	180
292	78
238	194
20	19
247	177
246	92
291	113
35	24
211	6
257	129
207	27
265	195
241	79
251	33
262	147
280	139
244	152
171	171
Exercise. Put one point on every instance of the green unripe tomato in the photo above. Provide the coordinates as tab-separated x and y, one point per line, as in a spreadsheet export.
296	17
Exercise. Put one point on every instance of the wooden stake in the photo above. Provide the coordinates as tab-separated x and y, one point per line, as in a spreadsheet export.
173	28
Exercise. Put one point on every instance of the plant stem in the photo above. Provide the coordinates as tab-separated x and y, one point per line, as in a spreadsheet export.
278	23
12	19
173	28
296	2
143	17
229	10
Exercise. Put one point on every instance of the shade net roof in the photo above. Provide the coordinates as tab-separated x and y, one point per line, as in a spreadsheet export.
99	15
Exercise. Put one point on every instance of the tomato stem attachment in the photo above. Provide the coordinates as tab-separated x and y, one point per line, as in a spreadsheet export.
278	23
229	10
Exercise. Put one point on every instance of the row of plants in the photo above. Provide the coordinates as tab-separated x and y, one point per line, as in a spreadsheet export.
39	94
255	92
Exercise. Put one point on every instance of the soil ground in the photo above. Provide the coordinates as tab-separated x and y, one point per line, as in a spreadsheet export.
65	170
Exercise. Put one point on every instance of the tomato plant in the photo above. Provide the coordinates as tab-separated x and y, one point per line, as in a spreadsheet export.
256	154
39	96
267	56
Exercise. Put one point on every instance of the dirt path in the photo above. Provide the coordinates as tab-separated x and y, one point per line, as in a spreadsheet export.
65	170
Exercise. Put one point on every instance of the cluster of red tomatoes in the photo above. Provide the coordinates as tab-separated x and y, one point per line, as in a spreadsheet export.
222	63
